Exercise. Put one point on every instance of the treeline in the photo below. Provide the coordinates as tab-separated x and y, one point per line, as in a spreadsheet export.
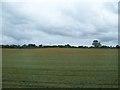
53	46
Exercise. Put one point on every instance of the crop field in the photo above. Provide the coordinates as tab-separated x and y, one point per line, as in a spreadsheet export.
60	68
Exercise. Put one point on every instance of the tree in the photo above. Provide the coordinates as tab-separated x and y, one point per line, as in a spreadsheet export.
96	43
24	46
40	46
67	46
32	46
117	46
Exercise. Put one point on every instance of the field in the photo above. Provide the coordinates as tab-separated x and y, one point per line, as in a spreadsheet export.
60	68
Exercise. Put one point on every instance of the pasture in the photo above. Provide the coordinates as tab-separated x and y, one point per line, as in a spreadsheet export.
60	68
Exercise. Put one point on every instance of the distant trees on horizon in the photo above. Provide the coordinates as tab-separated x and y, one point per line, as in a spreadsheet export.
96	43
56	46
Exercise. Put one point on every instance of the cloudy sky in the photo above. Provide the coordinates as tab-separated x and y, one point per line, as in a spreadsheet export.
52	22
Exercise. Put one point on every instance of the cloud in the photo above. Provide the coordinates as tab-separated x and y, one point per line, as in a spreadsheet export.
59	22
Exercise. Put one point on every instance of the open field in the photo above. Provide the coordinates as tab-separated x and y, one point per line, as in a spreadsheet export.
1	68
60	68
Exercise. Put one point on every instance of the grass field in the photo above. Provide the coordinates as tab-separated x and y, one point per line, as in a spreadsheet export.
60	68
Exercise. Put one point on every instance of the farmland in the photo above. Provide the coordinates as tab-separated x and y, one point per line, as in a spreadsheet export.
60	68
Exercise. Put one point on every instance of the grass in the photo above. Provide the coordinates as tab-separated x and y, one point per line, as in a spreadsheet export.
60	68
0	68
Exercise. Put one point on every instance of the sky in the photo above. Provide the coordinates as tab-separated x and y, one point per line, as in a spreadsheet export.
53	22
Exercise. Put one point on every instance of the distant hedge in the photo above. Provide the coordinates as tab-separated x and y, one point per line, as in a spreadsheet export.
53	46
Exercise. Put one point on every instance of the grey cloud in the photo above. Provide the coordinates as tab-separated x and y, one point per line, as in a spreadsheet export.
74	25
112	7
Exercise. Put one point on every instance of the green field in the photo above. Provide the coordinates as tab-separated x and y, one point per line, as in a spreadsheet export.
60	68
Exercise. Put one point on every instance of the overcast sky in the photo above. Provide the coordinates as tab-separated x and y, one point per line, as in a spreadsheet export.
52	22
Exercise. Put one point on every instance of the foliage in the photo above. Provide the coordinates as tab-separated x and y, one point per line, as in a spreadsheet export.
96	43
54	46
